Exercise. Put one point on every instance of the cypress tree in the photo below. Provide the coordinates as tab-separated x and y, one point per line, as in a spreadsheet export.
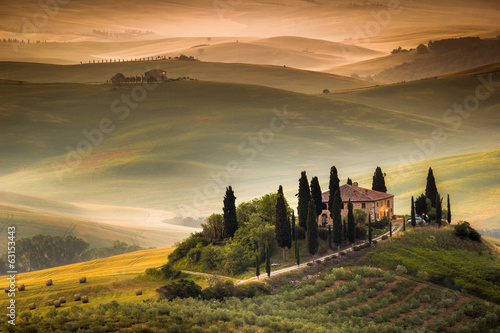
337	220
370	229
350	223
329	236
304	198
297	252
349	181
316	195
268	261
312	230
333	186
294	232
404	222
378	183
439	210
413	221
344	229
257	266
390	227
448	213
230	221
282	227
431	191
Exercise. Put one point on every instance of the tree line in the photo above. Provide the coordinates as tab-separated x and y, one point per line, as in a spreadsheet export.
45	251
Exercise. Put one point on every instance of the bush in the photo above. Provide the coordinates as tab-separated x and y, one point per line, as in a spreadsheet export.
401	270
318	261
381	224
464	230
153	273
423	275
343	253
384	237
323	233
360	232
168	272
181	289
374	241
357	248
309	264
183	248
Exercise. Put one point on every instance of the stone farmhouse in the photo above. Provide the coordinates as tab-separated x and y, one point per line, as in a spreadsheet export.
377	204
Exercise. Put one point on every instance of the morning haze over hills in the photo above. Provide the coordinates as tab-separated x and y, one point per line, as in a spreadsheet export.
123	123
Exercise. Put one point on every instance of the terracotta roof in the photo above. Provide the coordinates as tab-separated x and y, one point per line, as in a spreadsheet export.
357	194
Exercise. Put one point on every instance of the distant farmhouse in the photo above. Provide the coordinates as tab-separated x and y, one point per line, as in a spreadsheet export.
155	75
377	204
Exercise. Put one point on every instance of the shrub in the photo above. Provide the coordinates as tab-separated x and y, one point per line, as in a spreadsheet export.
318	261
309	264
343	253
183	248
381	224
323	233
374	241
423	275
389	277
153	273
384	237
168	272
464	230
360	232
357	248
181	289
401	270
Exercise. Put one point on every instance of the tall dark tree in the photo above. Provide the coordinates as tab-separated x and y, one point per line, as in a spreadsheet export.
312	230
304	197
230	221
439	210
350	223
297	251
257	266
390	227
421	205
316	195
349	181
268	260
370	235
329	236
333	186
337	219
378	183
448	213
431	191
344	231
294	231
413	221
282	227
404	222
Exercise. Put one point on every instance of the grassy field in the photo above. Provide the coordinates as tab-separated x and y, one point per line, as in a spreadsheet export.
477	172
292	79
108	279
172	151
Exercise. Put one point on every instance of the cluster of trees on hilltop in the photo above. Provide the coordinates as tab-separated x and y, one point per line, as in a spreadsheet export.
248	234
443	57
44	251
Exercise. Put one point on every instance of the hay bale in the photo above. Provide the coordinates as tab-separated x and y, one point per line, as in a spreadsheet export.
138	292
32	306
57	304
83	279
62	300
85	299
77	297
50	302
48	282
6	289
21	287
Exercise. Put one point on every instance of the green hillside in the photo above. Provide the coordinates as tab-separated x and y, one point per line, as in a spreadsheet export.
328	297
172	151
479	173
265	75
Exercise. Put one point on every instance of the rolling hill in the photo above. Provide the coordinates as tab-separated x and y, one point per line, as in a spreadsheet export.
179	148
437	58
30	222
271	76
109	279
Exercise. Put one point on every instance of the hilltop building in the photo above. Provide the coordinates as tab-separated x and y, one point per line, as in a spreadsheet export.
155	75
377	204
